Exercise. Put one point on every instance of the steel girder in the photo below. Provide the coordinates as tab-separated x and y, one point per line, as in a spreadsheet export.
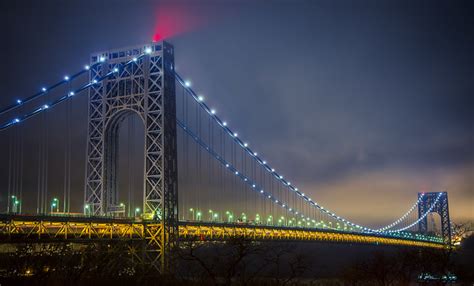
44	229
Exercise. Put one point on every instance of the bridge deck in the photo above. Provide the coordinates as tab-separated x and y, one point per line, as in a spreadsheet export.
19	228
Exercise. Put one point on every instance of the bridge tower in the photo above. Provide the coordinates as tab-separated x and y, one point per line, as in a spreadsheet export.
144	83
440	207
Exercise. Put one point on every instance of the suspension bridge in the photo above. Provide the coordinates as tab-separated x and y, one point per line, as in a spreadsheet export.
226	189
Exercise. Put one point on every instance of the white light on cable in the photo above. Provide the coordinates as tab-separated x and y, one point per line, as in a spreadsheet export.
236	134
102	59
213	111
255	153
18	101
246	144
45	106
134	59
71	93
200	98
224	123
147	50
264	162
43	89
116	70
273	170
94	81
187	83
87	67
66	78
16	120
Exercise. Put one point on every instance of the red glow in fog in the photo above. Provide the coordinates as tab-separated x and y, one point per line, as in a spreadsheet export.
176	19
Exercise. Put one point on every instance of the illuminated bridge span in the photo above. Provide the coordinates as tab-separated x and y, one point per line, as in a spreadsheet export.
226	189
17	228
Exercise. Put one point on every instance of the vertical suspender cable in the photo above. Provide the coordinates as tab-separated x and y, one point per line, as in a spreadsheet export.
15	168
129	169
38	185
69	153
199	191
20	177
182	199
46	163
10	167
244	169
207	163
67	159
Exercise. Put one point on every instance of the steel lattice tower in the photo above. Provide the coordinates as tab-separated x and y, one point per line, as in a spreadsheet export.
440	207
145	86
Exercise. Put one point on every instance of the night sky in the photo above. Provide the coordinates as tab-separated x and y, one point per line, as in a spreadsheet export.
362	105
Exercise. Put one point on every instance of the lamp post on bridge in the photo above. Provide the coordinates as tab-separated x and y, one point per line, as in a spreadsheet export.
87	209
122	208
270	220
230	216
199	215
257	219
16	205
137	211
192	211
244	217
211	216
54	204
